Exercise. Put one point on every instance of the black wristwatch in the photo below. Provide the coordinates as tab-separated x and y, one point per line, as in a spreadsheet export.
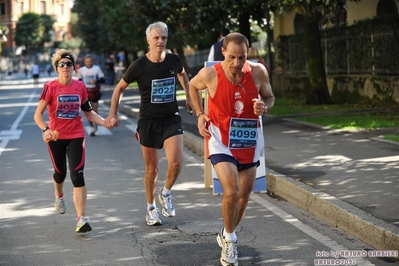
45	128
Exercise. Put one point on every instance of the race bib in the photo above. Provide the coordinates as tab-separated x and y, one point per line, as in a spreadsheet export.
68	106
88	79
163	90
243	133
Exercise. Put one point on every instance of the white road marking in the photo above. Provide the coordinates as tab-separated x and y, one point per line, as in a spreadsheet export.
325	240
13	133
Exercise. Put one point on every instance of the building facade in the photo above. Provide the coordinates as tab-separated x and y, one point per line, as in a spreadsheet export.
289	23
12	10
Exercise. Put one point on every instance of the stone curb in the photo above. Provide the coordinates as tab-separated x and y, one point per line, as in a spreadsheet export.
375	232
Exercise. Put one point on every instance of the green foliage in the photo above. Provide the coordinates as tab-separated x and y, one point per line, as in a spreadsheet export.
121	24
392	137
356	121
47	23
69	44
323	11
4	29
33	30
93	30
3	36
28	31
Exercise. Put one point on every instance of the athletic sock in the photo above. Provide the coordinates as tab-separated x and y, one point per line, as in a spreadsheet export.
165	192
230	236
150	206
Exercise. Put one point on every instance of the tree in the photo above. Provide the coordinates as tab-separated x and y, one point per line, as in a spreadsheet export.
47	23
28	31
92	25
3	36
121	24
33	30
314	13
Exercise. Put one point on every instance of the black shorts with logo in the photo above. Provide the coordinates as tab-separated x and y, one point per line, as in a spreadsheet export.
153	132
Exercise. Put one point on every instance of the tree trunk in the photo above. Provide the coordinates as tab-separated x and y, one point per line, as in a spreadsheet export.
245	26
318	92
180	52
269	40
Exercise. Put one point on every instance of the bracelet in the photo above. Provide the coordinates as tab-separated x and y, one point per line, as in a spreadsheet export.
201	113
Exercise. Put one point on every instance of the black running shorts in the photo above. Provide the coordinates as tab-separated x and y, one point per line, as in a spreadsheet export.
153	132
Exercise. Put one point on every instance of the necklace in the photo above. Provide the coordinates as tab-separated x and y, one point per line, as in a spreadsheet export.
239	84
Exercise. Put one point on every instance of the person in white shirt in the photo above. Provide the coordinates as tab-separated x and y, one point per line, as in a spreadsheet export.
35	74
92	76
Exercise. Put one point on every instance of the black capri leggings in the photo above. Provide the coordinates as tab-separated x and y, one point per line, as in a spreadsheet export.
74	149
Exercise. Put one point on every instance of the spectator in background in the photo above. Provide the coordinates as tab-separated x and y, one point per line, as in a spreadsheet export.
35	74
110	75
92	76
49	68
215	54
26	70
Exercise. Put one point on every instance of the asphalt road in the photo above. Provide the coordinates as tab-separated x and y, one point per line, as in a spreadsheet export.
273	232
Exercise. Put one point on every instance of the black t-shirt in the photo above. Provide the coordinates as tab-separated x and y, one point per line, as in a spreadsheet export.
157	85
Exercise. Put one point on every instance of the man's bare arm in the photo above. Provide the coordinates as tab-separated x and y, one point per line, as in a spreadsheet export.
112	119
197	84
184	81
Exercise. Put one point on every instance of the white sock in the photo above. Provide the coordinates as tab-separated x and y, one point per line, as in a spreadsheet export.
230	236
165	192
150	206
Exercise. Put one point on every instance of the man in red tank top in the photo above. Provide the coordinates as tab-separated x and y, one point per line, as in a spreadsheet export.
238	93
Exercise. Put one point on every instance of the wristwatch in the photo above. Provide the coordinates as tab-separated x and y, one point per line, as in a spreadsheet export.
45	128
265	109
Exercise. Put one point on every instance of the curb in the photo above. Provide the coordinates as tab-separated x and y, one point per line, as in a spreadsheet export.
375	232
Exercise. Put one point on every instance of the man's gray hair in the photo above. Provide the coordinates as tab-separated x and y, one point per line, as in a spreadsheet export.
158	24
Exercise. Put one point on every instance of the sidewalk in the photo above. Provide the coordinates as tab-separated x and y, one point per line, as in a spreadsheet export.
18	77
347	178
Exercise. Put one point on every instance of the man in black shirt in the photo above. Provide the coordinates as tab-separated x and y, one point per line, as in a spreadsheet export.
159	125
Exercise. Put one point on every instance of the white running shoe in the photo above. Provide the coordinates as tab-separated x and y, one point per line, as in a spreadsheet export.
167	206
152	217
60	205
83	225
229	254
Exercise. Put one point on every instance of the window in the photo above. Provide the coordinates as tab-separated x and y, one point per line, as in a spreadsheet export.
341	17
21	7
386	7
2	9
298	24
62	9
43	7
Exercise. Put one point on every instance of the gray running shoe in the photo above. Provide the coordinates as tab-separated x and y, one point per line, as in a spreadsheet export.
167	206
83	225
229	254
60	205
152	217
